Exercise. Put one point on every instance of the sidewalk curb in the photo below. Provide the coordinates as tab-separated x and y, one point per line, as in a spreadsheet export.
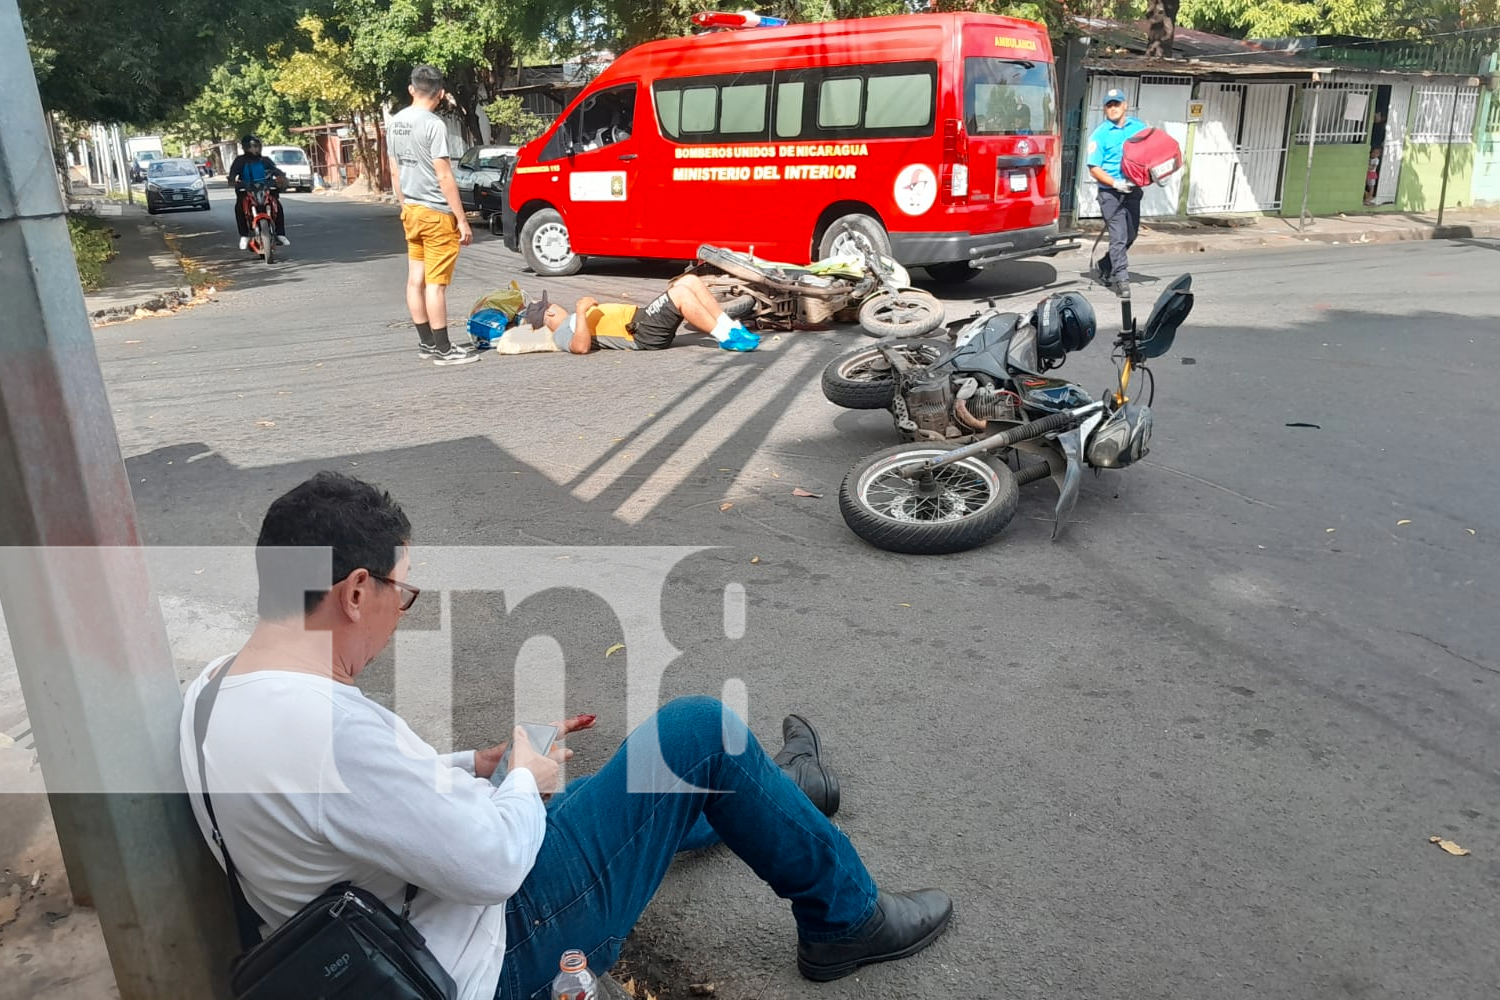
1359	237
173	290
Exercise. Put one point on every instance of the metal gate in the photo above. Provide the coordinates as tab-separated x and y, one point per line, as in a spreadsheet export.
1239	154
1396	117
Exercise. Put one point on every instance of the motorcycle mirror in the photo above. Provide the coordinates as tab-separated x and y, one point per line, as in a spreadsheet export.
1171	309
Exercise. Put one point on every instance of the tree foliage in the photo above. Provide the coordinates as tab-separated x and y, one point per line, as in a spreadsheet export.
1394	19
136	61
241	97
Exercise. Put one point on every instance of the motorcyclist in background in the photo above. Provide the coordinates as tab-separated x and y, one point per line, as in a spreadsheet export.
248	167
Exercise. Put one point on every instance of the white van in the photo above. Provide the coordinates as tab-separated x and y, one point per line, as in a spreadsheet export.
293	162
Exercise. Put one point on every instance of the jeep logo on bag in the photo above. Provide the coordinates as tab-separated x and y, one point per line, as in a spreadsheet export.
337	967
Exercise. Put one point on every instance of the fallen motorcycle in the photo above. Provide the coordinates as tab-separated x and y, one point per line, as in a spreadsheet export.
973	410
872	291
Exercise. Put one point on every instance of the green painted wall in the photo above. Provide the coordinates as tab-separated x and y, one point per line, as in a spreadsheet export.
1337	183
1487	156
1422	177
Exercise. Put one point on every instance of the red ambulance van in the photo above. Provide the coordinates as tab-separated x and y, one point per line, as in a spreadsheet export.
930	137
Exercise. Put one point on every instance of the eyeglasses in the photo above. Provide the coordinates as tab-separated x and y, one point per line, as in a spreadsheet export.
409	594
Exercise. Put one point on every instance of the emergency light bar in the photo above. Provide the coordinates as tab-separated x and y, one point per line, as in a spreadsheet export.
743	19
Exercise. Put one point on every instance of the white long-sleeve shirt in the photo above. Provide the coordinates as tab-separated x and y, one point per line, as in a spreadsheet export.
342	789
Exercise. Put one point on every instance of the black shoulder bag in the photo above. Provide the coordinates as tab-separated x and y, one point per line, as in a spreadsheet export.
344	944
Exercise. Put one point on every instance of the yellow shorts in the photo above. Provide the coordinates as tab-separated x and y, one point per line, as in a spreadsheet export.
432	238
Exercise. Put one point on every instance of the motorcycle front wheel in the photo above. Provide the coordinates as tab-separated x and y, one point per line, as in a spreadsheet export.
865	380
909	312
267	240
952	509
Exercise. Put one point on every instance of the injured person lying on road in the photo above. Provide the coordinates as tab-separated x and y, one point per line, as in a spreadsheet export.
592	325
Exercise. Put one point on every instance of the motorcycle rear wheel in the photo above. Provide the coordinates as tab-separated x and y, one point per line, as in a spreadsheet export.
864	379
961	507
909	312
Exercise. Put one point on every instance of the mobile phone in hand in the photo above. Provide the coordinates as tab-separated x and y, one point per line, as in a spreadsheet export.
541	738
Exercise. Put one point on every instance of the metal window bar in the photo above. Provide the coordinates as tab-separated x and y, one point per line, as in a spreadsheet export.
1334	126
1436	120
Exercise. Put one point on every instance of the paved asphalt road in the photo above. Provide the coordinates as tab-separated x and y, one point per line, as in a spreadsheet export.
1193	749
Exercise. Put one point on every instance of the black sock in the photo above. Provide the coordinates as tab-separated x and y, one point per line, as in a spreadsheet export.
424	334
440	339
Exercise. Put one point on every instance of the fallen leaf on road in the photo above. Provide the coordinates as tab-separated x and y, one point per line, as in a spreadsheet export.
6	741
725	506
265	423
1403	521
1449	846
197	572
702	989
903	605
754	560
318	365
132	341
775	475
611	651
1469	530
800	492
629	987
1332	530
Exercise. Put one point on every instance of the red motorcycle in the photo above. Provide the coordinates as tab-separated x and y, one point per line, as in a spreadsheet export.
259	205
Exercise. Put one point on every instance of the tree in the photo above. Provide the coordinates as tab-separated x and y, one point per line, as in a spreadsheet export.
240	98
474	43
136	61
326	74
1161	27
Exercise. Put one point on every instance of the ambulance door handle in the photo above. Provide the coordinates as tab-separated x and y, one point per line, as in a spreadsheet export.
627	156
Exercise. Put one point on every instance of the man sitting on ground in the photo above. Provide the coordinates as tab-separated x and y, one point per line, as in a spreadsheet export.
652	327
333	786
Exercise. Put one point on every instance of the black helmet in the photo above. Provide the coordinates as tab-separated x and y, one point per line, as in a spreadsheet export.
1064	324
250	140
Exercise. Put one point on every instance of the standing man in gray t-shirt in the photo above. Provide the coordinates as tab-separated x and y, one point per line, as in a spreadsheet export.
431	214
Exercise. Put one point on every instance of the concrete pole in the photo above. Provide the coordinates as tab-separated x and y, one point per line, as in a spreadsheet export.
91	650
1312	141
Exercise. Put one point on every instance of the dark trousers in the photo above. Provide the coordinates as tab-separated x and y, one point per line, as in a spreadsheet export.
1122	217
242	221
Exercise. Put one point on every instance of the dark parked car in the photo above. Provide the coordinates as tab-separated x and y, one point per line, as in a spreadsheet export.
174	184
489	197
480	167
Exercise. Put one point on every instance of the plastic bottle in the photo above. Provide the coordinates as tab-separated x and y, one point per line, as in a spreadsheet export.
575	981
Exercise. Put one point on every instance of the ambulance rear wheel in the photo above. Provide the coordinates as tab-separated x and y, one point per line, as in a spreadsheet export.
546	247
854	234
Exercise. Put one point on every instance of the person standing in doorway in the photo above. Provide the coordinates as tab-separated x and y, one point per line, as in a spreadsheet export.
1119	200
432	215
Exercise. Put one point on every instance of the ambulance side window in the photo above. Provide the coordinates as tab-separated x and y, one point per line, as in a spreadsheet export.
602	119
789	98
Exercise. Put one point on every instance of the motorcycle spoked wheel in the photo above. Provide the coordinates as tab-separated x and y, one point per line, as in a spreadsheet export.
865	380
907	312
960	507
267	240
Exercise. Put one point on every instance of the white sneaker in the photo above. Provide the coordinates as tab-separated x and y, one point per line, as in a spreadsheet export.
244	243
283	241
455	355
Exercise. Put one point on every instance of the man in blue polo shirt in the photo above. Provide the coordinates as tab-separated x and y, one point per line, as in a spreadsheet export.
1119	200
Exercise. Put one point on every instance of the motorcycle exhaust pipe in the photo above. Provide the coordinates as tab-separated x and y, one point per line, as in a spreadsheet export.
1005	439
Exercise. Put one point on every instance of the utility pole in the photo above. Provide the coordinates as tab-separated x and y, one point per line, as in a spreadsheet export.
1312	142
90	647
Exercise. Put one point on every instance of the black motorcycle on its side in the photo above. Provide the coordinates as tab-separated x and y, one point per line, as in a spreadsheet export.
973	410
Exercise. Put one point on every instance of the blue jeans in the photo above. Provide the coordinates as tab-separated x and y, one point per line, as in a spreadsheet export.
607	848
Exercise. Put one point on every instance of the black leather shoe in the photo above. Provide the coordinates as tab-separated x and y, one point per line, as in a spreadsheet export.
801	759
903	924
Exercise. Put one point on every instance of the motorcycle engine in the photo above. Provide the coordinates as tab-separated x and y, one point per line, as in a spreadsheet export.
928	405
